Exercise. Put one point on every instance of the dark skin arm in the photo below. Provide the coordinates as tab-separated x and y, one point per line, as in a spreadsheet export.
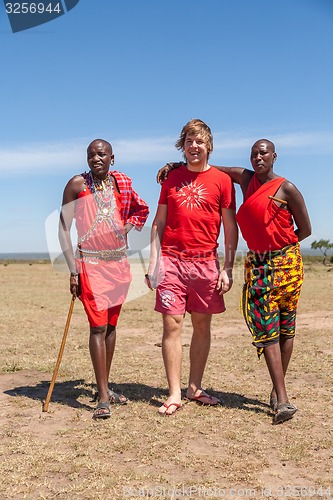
288	192
163	172
236	173
71	191
296	204
239	175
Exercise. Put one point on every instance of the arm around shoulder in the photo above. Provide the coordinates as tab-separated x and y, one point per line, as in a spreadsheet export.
236	173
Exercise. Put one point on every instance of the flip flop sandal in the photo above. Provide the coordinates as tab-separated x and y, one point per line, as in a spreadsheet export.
102	410
117	398
284	412
177	405
202	399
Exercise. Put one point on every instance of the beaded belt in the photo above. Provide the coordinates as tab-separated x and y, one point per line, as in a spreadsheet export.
117	254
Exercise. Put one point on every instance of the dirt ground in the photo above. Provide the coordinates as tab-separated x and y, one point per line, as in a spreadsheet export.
229	451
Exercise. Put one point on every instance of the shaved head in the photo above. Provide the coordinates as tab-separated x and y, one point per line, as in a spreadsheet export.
95	141
270	144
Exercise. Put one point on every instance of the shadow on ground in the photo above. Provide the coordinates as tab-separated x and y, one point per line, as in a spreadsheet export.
235	400
69	393
66	392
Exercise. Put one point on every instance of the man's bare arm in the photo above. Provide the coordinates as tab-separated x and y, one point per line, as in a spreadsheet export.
71	191
296	205
156	236
230	246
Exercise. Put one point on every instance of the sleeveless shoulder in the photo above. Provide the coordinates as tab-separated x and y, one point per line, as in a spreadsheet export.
76	183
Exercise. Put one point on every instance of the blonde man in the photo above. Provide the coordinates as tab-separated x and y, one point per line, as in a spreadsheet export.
194	201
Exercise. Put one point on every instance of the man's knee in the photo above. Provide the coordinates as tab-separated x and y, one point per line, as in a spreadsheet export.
111	331
98	330
201	322
172	325
286	335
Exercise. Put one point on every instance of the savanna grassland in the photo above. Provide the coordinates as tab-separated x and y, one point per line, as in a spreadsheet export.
232	450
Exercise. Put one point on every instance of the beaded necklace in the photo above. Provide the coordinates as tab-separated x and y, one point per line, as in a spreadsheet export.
103	193
95	184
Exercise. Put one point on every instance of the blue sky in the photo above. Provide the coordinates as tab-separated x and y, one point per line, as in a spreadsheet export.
135	72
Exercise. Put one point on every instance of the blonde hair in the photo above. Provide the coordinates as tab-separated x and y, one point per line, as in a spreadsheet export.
196	127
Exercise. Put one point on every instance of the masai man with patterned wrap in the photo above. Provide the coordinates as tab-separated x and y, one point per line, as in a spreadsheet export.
105	208
273	265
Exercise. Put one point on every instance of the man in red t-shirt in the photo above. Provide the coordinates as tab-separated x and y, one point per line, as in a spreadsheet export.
184	263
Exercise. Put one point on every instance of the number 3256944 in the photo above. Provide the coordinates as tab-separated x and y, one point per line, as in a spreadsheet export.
32	8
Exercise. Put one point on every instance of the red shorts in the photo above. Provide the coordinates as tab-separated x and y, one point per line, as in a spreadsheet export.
188	286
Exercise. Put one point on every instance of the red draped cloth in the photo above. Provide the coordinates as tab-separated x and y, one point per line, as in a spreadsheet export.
265	226
101	257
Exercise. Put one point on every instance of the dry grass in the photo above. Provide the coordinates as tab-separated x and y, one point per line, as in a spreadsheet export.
65	454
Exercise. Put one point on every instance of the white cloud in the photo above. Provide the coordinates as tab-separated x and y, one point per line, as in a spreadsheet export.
294	141
41	158
53	157
46	158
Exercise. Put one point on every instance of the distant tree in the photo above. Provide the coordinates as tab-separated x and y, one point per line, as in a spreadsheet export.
324	246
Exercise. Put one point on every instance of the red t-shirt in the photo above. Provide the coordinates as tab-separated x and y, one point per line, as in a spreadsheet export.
194	201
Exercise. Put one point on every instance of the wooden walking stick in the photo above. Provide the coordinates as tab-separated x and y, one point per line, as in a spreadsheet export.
61	351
